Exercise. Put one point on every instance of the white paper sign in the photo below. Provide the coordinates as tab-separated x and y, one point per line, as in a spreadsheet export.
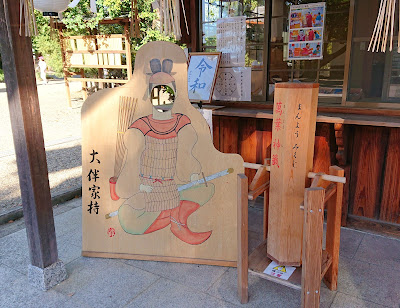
201	74
276	270
231	40
233	84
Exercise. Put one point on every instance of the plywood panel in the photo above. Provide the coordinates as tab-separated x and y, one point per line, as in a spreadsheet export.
390	204
367	168
293	131
136	161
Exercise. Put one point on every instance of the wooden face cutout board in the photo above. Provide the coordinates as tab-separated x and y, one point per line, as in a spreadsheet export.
153	185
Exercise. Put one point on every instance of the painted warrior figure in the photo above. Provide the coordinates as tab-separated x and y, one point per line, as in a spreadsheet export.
162	143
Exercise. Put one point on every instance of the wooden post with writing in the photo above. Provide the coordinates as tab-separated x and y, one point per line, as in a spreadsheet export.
293	132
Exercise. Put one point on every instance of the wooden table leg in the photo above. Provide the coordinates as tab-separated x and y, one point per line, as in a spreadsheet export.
243	245
312	246
333	230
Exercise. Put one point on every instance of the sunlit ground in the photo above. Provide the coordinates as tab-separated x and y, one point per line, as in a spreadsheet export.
62	135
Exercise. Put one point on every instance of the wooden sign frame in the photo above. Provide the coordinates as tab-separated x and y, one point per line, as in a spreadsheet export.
195	54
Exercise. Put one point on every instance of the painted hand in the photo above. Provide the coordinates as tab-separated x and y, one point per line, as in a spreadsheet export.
145	188
194	177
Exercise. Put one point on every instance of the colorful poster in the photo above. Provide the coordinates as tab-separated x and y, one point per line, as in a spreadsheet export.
306	31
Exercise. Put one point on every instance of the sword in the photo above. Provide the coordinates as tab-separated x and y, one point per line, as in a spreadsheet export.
204	180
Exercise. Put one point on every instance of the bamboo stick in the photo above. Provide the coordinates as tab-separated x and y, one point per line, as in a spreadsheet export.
310	175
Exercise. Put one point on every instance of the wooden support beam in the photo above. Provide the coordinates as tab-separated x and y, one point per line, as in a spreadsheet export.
243	245
333	222
312	246
27	132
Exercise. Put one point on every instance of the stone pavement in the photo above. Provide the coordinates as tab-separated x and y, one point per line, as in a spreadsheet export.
369	274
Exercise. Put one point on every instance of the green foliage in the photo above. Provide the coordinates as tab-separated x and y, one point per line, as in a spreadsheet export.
81	21
1	75
47	44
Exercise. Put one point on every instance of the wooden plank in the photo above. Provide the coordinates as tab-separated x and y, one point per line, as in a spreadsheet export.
343	118
95	51
346	194
95	36
253	194
333	223
312	246
258	262
368	158
98	80
27	132
96	66
291	159
326	262
390	204
243	245
264	139
228	135
322	157
248	143
95	254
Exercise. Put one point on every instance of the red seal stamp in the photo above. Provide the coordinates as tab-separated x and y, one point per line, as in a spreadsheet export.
111	232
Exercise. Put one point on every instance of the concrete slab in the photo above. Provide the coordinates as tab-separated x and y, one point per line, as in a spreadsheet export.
375	283
68	222
14	251
16	292
197	277
263	293
104	282
345	301
166	293
379	250
350	240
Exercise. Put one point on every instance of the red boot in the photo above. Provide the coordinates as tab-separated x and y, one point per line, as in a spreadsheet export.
161	222
179	216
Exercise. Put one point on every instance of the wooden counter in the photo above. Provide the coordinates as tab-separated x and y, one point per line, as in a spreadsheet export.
355	119
366	146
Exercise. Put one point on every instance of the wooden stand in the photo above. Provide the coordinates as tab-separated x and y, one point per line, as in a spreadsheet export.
318	264
294	215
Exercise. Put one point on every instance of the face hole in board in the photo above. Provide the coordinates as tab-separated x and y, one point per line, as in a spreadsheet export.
162	97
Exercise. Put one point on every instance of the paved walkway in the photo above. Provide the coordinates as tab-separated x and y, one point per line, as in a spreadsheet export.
369	274
62	136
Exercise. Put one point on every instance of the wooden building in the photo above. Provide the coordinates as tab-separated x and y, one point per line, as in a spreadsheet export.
358	122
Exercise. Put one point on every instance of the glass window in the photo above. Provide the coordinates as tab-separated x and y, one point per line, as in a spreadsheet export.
329	71
374	76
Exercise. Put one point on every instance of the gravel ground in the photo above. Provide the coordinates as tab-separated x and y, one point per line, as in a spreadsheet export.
62	136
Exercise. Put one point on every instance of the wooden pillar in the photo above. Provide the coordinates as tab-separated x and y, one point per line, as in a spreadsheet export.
312	246
28	137
333	222
243	245
293	135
